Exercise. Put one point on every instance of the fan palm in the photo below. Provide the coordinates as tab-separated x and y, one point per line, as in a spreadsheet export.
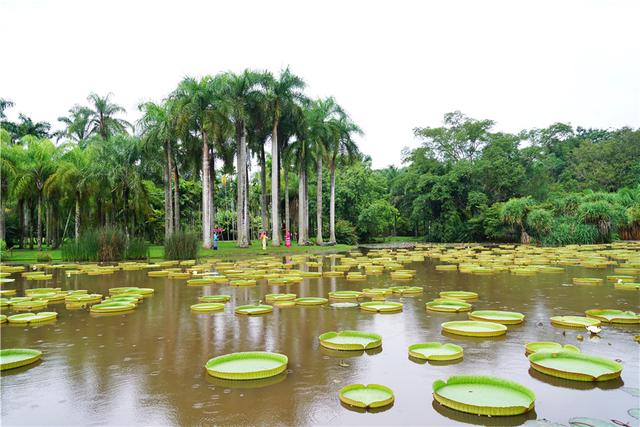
103	116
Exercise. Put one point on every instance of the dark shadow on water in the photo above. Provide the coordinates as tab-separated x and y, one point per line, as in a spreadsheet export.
349	353
363	410
482	420
21	369
576	385
247	384
435	362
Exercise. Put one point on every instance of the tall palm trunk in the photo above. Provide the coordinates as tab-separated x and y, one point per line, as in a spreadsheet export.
77	216
332	203
243	239
206	193
306	208
176	198
263	189
275	186
212	205
287	218
301	221
40	220
28	216
168	202
3	195
21	221
319	201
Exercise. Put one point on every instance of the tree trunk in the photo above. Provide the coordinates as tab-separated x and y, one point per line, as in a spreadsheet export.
27	219
287	218
47	224
332	203
206	193
241	167
306	207
212	206
301	221
2	221
176	198
40	220
524	237
168	202
125	210
263	190
21	222
77	218
275	189
319	201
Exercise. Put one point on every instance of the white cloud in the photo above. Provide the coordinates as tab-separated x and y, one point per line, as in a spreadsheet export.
392	65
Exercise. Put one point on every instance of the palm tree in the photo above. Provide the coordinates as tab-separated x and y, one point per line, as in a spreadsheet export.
159	132
26	127
39	163
103	121
73	175
282	93
8	170
77	124
5	104
240	92
344	147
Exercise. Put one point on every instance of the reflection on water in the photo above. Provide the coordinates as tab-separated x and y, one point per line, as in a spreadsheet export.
147	366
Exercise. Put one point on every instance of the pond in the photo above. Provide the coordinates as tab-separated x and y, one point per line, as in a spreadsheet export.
147	366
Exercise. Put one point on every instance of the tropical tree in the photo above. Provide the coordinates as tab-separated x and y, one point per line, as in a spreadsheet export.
283	93
514	212
103	116
8	170
36	165
76	124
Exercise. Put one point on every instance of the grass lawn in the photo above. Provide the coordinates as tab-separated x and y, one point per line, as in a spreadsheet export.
225	250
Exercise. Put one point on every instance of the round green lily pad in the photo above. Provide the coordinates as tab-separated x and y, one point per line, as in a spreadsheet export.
3	318
503	317
11	358
253	309
112	307
574	321
483	395
270	298
614	316
462	295
350	340
448	305
472	328
366	396
207	306
43	316
627	286
345	294
407	290
575	366
382	306
311	301
344	304
534	347
250	365
30	305
214	298
435	351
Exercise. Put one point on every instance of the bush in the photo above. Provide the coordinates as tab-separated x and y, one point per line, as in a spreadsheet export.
182	245
43	257
137	249
104	245
346	233
3	246
570	231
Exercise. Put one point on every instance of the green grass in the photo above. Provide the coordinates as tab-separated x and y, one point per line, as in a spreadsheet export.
225	250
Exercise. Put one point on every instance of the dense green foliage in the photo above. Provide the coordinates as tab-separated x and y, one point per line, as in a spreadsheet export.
182	244
104	245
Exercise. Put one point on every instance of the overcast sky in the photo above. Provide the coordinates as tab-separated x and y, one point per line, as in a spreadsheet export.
393	65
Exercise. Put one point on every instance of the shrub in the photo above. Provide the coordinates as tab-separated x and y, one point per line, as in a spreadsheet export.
570	231
43	257
3	246
83	249
112	244
346	233
137	249
182	245
540	221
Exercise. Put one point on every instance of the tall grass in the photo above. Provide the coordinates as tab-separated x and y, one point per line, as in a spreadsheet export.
182	245
104	245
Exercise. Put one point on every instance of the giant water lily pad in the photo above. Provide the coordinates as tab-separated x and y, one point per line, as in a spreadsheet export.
448	305
503	317
345	295
574	321
627	286
270	298
311	301
11	358
207	306
43	316
614	316
366	396
575	366
435	351
462	295
344	304
3	318
112	307
350	340
482	395
214	298
382	307
253	309
536	346
250	365
472	328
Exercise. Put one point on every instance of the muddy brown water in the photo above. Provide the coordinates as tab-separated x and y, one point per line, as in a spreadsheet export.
147	367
